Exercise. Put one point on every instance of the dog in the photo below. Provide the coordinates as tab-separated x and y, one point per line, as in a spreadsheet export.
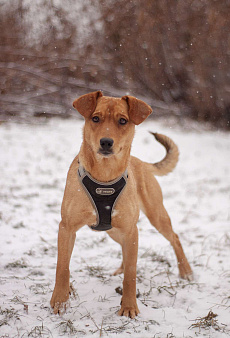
106	187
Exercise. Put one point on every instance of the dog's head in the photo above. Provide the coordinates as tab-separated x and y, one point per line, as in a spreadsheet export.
110	122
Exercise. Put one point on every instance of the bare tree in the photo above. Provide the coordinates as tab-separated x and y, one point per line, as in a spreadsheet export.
175	53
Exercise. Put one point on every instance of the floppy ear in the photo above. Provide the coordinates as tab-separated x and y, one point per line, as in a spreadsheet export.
138	110
86	104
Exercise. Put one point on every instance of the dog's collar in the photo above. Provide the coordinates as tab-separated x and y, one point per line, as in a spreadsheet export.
103	196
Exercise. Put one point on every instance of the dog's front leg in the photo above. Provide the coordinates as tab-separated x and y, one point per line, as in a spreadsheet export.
61	292
129	249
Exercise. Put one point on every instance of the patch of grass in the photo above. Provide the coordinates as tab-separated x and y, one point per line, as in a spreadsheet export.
39	289
38	331
170	287
128	326
155	257
103	299
8	314
19	225
66	327
20	263
208	322
36	273
116	329
96	271
18	300
150	323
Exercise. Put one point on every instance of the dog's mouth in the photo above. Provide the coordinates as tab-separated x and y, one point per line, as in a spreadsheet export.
105	153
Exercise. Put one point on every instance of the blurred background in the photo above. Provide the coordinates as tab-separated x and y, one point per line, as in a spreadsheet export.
173	54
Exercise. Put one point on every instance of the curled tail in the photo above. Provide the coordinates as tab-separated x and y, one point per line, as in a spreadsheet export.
170	160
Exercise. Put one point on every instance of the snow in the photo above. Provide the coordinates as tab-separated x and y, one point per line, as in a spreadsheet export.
34	162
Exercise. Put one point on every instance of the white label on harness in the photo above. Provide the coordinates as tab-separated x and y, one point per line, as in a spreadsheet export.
105	191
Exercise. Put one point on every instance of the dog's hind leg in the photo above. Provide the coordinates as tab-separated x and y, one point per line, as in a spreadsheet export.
151	203
159	218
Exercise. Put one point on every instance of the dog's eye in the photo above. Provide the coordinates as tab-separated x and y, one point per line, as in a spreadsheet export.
122	121
95	119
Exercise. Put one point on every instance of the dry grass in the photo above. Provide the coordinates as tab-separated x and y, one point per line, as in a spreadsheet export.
20	263
66	327
8	314
38	331
208	322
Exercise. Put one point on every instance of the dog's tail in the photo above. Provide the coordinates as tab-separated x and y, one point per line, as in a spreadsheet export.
170	160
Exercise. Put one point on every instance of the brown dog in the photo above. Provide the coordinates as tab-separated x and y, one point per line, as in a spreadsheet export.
105	166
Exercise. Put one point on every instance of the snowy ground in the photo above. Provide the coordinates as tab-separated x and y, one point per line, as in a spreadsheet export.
34	160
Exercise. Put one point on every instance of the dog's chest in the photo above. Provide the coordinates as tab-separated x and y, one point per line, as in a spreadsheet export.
78	209
103	197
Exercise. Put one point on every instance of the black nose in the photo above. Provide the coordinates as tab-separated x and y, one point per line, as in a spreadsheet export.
106	143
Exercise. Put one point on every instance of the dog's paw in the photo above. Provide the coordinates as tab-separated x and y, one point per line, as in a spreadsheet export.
119	271
129	311
59	302
60	308
188	276
185	270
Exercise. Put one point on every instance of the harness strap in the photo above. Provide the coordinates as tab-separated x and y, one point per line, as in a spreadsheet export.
103	196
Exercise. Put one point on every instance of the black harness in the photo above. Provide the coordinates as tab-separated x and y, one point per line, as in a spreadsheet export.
103	196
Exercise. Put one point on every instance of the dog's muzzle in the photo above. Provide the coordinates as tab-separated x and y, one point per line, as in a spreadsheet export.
106	148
